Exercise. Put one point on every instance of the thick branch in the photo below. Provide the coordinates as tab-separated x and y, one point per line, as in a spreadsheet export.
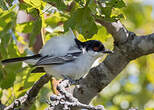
140	45
116	29
27	100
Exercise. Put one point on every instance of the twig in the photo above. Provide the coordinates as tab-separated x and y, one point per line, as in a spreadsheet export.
27	100
66	101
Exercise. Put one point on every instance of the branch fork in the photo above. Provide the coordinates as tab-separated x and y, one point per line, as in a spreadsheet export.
66	101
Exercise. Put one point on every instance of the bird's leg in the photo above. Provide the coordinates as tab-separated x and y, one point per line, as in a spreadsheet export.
77	82
71	81
65	100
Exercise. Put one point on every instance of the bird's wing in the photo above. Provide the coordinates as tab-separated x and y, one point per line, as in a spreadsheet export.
54	60
59	45
38	70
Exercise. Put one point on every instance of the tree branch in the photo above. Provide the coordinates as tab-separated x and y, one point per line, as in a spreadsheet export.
129	47
25	102
116	29
65	100
140	45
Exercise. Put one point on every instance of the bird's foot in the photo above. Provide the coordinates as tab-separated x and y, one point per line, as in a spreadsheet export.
66	101
77	82
71	81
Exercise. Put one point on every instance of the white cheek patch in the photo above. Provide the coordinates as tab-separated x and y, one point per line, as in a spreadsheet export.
84	50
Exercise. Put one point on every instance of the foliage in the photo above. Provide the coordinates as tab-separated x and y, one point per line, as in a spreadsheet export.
134	87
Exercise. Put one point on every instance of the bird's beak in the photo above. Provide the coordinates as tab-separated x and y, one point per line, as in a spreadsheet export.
107	51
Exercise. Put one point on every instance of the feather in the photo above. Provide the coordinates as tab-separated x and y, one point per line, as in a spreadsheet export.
38	70
11	60
59	45
52	60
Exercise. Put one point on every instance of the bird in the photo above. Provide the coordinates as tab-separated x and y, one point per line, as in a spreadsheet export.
64	56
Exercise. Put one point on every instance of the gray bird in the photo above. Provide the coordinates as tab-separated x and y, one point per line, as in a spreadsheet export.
65	57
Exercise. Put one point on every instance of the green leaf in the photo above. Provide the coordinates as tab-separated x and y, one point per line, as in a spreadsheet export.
4	44
8	47
117	3
7	21
8	81
102	35
3	5
81	2
8	50
59	4
117	17
9	2
33	7
54	20
9	76
35	31
25	27
1	73
30	9
113	3
107	8
82	21
92	5
106	11
1	93
24	6
12	49
38	4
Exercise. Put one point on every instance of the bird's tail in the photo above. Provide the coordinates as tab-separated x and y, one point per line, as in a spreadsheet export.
11	60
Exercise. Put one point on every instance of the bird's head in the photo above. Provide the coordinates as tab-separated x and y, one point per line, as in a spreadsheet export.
93	47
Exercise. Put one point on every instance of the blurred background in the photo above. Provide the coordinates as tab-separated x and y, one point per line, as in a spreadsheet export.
23	31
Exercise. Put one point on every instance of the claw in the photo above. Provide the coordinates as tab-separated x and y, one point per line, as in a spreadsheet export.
71	81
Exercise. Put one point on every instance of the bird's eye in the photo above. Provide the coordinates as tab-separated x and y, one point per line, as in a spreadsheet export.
95	48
